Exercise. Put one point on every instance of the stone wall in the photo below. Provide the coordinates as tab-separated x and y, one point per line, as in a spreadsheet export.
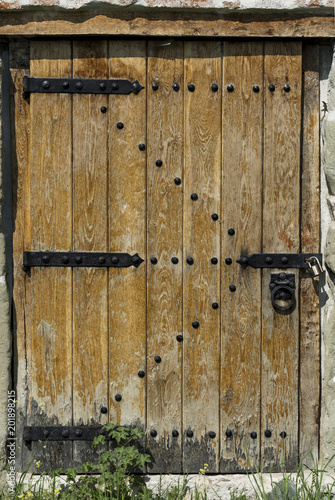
5	333
327	435
221	5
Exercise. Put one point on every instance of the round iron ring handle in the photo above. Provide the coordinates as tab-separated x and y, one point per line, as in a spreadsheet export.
286	289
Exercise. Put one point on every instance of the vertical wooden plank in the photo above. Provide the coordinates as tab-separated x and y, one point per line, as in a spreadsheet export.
165	241
202	243
280	335
242	131
310	222
90	303
127	233
49	331
20	137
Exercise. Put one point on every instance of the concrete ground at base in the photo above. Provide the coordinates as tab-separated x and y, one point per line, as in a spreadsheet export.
217	487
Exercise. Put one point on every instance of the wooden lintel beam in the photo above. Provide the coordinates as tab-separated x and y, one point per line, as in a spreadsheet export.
65	23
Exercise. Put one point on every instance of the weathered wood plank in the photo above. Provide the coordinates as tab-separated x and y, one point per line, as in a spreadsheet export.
20	137
90	300
127	233
299	25
165	241
202	172
310	223
242	132
49	342
280	334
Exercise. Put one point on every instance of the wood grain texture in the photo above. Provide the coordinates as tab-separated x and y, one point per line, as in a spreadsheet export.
20	137
242	132
165	241
299	25
310	242
127	233
280	333
49	334
90	298
202	172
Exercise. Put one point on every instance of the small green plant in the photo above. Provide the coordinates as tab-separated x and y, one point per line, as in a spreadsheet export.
113	476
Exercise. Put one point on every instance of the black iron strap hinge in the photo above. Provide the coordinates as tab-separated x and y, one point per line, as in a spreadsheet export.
280	260
79	86
62	433
79	259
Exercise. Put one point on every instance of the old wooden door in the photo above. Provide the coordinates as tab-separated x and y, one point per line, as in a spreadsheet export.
215	158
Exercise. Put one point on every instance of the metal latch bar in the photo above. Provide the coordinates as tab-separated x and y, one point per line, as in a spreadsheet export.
80	259
278	260
79	86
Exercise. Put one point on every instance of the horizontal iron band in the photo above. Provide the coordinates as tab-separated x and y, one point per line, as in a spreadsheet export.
62	433
278	260
79	86
79	259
